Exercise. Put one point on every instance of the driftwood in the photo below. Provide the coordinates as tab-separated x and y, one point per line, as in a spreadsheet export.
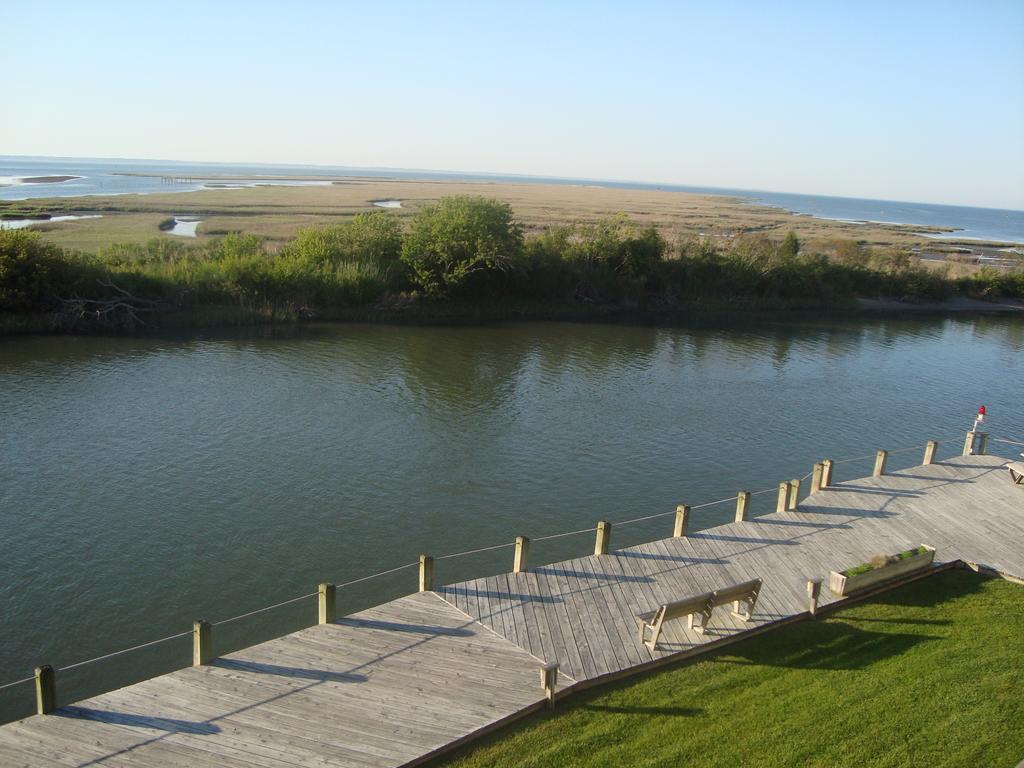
121	311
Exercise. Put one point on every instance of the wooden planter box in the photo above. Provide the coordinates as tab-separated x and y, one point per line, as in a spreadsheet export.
845	585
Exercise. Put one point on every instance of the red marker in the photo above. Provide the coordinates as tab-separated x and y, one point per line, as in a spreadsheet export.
980	419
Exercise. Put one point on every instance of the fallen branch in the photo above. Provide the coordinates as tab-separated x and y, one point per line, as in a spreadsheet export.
122	311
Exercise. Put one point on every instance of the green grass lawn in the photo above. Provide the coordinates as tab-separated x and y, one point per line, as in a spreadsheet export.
931	674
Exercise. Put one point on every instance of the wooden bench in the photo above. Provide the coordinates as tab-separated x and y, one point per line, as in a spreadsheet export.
699	606
1016	472
746	592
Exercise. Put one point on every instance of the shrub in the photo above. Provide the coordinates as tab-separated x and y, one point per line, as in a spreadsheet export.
34	273
457	238
374	238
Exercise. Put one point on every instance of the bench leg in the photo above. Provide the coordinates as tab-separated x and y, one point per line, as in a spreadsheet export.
705	617
1016	477
655	634
741	615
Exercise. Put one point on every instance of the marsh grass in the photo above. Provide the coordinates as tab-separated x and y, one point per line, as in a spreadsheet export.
277	213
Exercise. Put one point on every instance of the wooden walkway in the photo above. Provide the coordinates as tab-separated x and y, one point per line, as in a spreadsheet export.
400	682
580	612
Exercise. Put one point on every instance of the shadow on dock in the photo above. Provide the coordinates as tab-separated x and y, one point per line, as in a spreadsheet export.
139	721
320	675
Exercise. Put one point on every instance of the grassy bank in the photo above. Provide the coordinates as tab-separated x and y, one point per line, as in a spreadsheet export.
929	674
462	257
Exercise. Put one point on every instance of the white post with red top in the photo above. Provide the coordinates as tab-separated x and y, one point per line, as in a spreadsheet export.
976	442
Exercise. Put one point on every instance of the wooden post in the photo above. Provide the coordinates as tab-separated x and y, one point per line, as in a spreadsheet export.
929	452
426	573
826	472
742	505
682	520
326	603
813	591
46	689
982	443
880	458
522	553
816	475
794	494
604	535
548	681
202	642
969	443
780	504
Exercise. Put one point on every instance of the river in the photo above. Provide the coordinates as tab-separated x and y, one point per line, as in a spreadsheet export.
147	482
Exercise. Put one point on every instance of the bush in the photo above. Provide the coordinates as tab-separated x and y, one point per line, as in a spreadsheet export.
458	238
371	238
34	273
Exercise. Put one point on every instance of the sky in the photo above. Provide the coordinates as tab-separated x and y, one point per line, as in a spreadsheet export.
894	100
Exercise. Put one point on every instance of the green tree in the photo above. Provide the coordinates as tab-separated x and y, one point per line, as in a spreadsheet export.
460	237
28	269
790	246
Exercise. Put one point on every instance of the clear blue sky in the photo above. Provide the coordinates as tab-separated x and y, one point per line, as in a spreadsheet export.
892	100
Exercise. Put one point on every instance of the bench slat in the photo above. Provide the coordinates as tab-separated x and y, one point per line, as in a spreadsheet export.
737	592
685	607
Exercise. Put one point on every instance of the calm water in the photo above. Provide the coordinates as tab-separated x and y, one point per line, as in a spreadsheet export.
100	177
148	482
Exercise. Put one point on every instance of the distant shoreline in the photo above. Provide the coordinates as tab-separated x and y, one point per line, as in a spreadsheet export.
42	179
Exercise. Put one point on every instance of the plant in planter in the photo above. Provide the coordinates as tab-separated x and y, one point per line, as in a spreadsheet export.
880	568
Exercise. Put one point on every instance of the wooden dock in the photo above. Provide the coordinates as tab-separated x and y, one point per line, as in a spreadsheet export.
402	682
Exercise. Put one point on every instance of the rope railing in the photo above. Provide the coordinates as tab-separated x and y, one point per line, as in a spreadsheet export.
713	503
123	651
549	537
17	682
1005	440
475	551
566	533
866	456
641	519
375	575
264	610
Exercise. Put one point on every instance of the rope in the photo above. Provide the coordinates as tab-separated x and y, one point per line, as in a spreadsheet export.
911	448
641	519
264	610
17	682
856	458
712	503
123	650
474	551
374	575
567	533
1004	440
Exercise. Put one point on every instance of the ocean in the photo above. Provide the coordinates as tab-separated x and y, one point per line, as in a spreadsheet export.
100	177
